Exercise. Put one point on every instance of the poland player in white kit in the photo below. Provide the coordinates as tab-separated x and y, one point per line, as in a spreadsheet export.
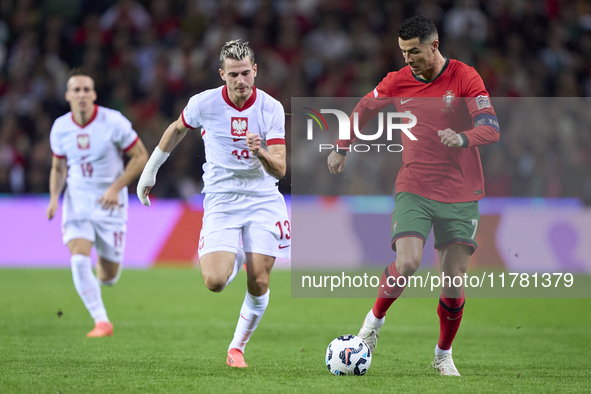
240	184
87	145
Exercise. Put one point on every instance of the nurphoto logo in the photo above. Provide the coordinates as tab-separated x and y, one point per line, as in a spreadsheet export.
407	121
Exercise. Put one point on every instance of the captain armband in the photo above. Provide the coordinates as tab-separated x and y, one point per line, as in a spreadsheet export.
487	120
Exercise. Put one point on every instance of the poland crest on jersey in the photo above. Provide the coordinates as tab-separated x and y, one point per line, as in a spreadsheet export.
83	141
239	126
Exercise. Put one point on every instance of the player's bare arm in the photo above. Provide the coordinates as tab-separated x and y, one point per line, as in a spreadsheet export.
138	157
366	108
273	161
57	181
336	162
450	138
174	133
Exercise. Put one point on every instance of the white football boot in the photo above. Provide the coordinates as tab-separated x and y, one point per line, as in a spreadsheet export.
445	365
370	330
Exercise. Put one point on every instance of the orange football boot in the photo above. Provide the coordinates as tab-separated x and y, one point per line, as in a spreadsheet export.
101	329
236	359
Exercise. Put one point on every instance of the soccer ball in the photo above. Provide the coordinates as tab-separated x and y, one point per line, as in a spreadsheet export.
348	355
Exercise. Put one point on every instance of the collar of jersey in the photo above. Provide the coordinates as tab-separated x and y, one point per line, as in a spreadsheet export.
423	80
246	105
93	117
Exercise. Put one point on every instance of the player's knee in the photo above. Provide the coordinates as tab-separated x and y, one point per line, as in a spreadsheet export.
259	285
453	272
214	284
407	265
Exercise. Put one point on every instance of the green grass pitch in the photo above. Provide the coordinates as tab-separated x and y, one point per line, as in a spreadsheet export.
171	336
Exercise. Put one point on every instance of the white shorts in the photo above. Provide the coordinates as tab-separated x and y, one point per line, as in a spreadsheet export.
108	236
262	221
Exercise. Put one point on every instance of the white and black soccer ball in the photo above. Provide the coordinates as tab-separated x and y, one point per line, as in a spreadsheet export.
348	355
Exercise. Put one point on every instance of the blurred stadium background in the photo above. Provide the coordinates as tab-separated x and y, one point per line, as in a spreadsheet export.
150	56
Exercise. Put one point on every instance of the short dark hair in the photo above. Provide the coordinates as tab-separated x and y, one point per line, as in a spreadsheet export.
79	71
418	26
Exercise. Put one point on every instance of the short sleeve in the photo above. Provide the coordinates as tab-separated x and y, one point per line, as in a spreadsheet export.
125	136
276	130
191	115
55	143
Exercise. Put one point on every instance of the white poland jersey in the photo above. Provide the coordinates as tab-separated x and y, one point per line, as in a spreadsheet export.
229	165
94	156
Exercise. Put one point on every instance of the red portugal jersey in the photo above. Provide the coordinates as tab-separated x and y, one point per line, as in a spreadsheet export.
455	99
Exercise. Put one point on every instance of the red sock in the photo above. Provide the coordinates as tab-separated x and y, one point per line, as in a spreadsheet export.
450	311
388	291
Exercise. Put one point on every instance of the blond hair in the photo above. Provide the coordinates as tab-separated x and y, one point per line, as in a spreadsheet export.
236	50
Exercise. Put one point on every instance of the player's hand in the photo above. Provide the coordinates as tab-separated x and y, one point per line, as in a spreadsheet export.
336	162
51	210
253	141
449	138
110	199
144	186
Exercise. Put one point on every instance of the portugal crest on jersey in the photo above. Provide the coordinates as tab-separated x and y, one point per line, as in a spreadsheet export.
448	99
239	126
83	141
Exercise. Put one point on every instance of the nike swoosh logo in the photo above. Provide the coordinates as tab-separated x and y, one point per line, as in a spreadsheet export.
249	320
84	157
455	318
404	101
237	139
284	246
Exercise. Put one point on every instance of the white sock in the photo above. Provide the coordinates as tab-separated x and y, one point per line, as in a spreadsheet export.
251	313
240	259
439	352
374	321
88	287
